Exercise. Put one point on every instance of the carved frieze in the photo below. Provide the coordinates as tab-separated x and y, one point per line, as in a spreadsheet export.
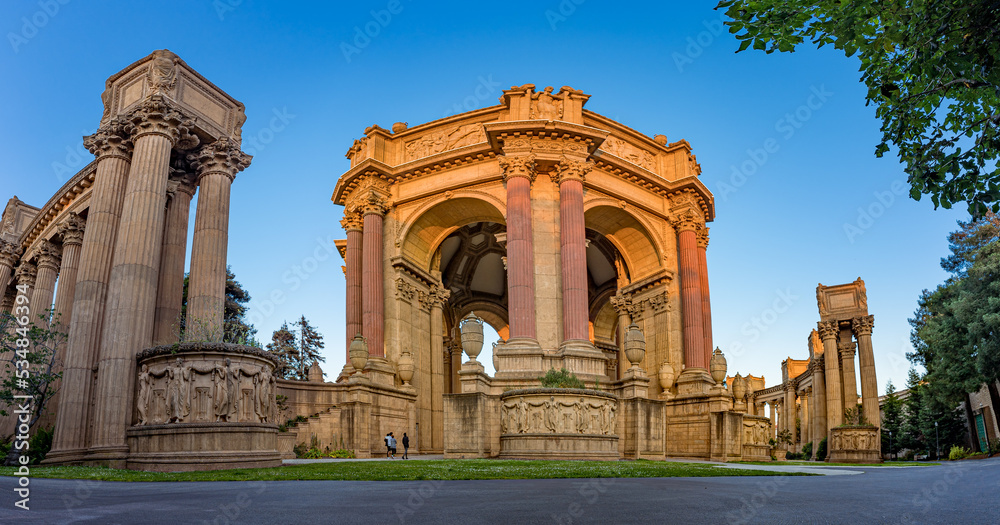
756	430
629	152
558	414
436	142
847	438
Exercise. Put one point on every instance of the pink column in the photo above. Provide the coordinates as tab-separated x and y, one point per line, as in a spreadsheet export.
573	250
706	303
691	294
372	286
519	173
353	224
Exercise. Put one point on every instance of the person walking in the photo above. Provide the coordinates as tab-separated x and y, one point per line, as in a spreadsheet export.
387	448
406	446
392	445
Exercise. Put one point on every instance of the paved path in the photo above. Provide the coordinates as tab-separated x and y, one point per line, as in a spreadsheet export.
964	492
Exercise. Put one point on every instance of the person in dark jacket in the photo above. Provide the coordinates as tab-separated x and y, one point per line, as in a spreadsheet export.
387	448
406	446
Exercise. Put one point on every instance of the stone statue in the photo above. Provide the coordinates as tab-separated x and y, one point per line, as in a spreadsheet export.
551	414
233	390
177	408
504	416
221	395
581	417
547	107
142	402
162	75
262	393
522	416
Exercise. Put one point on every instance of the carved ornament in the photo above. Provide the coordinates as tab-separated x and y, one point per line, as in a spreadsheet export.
518	166
156	116
827	329
863	325
110	140
222	156
571	170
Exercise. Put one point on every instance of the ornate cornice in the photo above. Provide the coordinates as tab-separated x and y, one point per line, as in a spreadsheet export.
26	273
371	195
222	156
517	166
660	302
156	115
110	140
827	329
9	254
863	325
71	229
571	169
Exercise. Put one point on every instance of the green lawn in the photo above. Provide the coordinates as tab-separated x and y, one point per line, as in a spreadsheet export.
445	469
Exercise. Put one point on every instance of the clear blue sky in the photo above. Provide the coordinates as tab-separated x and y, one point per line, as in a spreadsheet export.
657	67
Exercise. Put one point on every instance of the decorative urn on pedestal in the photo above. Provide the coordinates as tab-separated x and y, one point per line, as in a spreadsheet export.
359	352
635	346
666	376
405	367
718	366
739	388
472	336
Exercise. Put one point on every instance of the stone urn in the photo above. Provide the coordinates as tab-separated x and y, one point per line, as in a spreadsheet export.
666	376
472	336
718	366
359	352
739	387
405	368
635	345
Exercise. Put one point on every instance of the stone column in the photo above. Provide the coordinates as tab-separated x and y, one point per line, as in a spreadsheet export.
621	303
9	254
834	400
71	229
806	434
773	415
790	409
372	282
170	285
25	276
862	327
439	295
216	165
352	223
706	302
113	150
131	304
847	351
47	257
519	173
819	402
573	250
692	310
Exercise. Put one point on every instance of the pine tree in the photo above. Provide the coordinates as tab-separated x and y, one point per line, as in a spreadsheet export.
892	420
283	346
235	327
310	343
910	435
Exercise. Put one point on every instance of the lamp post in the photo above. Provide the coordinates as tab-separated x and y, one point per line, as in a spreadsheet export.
937	441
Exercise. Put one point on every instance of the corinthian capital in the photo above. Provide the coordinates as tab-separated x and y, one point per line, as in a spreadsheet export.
571	170
110	140
847	349
9	254
26	273
686	220
702	236
222	156
72	228
156	116
352	221
863	325
518	166
621	303
46	255
827	329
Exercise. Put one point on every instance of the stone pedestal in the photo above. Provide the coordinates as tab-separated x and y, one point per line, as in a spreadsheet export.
696	382
473	378
756	432
558	423
380	372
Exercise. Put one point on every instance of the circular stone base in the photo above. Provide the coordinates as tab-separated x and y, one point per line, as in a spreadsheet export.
559	446
183	447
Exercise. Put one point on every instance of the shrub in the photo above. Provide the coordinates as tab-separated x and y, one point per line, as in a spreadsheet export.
821	450
39	444
910	454
957	453
313	453
793	456
807	450
300	450
561	379
993	448
342	453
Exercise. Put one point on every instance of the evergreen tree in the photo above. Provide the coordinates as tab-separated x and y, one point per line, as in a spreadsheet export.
283	346
910	434
310	343
236	329
892	420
